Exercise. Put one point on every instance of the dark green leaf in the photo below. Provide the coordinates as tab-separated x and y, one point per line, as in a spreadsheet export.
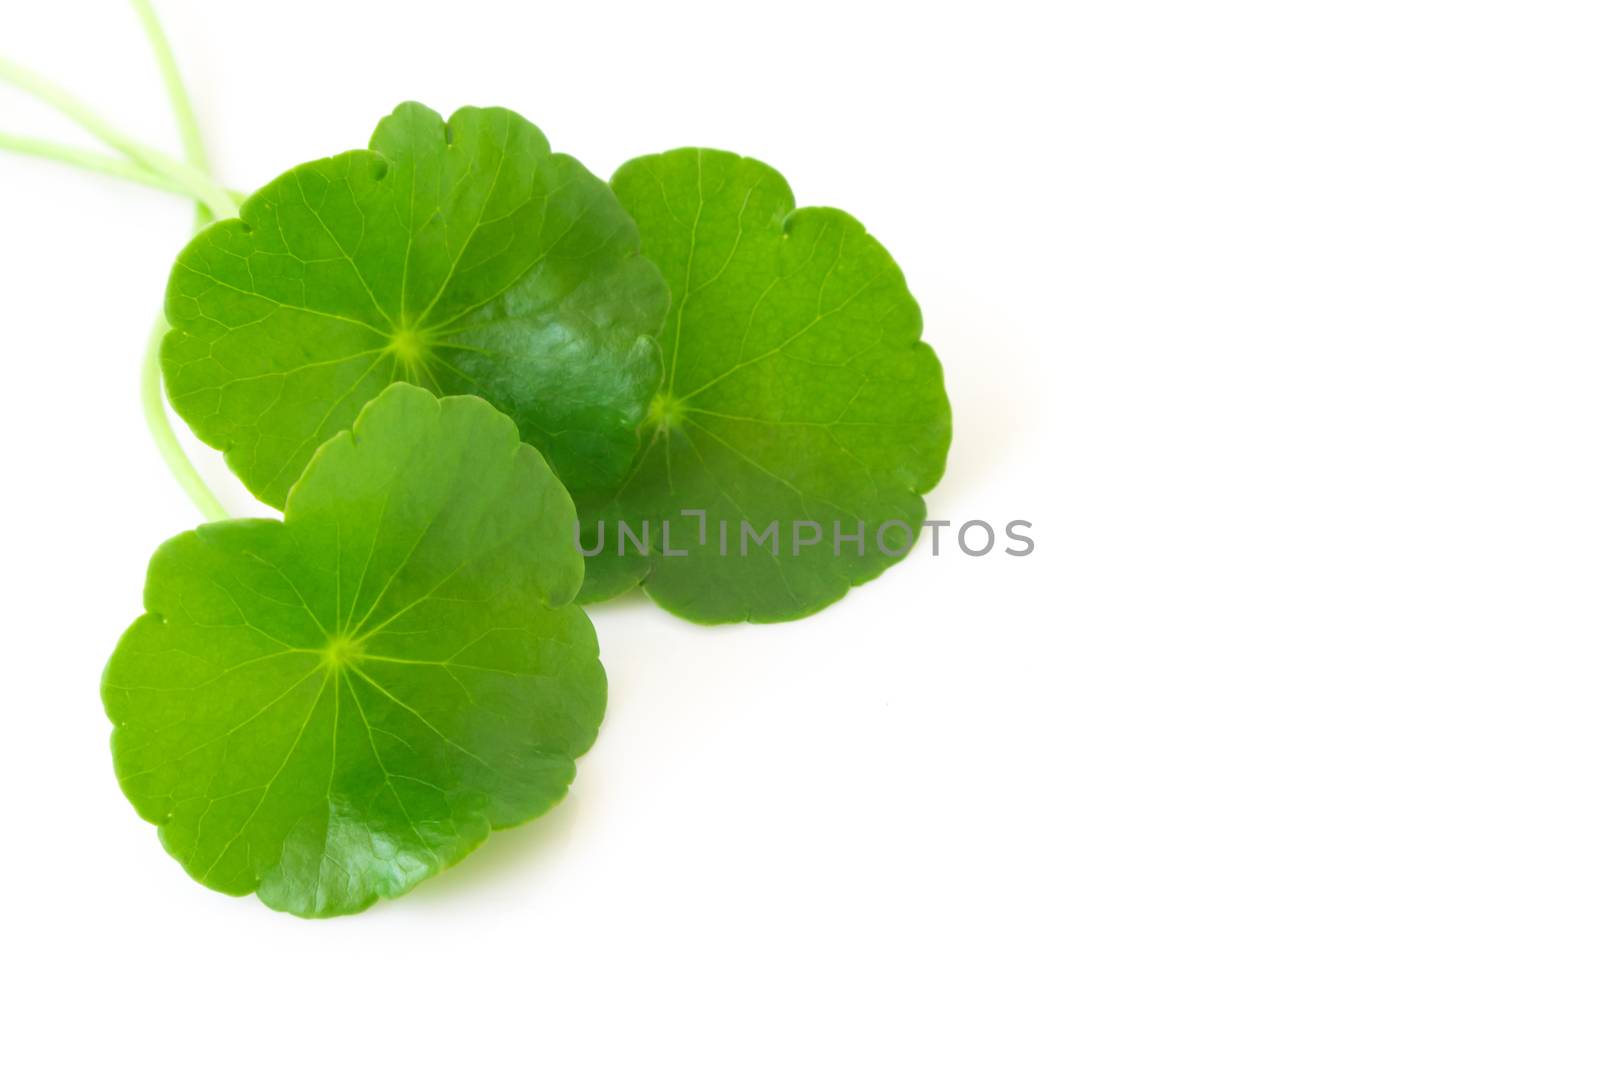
797	389
465	258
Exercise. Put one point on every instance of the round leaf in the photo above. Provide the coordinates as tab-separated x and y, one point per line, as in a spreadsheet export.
462	257
328	709
797	390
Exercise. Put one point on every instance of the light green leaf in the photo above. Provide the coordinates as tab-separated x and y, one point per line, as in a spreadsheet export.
797	390
328	709
465	258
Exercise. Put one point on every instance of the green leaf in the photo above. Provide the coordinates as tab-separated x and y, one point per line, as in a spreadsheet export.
328	709
465	258
797	389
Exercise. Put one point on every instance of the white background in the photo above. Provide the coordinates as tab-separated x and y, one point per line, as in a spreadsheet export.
1279	321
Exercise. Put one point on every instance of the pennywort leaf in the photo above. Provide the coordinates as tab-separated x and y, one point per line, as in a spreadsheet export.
463	257
328	709
796	389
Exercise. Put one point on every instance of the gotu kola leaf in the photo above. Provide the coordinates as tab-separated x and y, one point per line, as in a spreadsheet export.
328	709
796	392
462	257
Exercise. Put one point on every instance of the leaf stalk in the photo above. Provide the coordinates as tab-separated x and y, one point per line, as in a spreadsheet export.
146	166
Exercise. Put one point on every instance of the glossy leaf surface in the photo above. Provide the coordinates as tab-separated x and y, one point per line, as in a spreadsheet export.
328	709
461	257
797	389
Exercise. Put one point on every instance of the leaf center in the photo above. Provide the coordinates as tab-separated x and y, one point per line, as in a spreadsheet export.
409	346
342	650
666	410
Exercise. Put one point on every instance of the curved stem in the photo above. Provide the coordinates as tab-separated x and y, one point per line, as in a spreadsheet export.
194	150
209	192
155	417
194	146
84	159
148	167
111	166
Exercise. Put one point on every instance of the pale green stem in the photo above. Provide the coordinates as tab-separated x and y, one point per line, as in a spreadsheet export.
111	166
194	147
155	417
95	161
208	191
194	150
148	167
